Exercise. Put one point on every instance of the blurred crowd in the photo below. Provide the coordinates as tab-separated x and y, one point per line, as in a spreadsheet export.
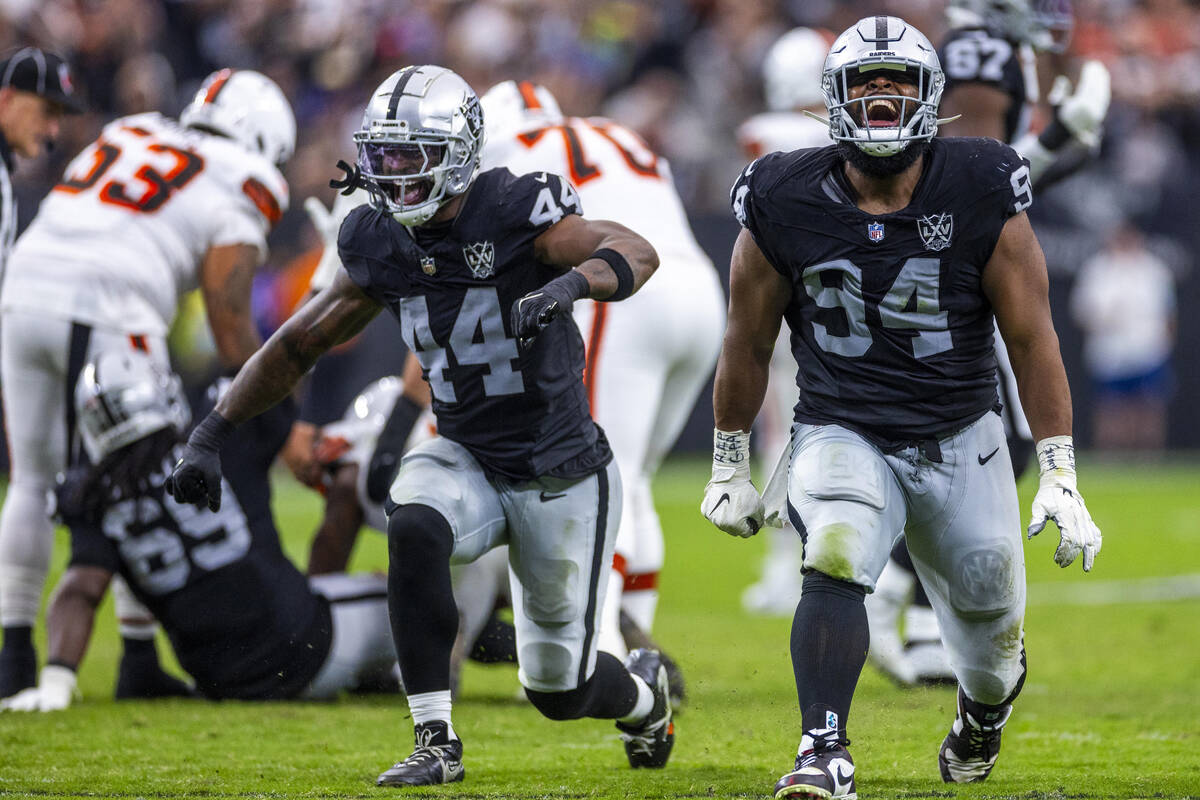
684	73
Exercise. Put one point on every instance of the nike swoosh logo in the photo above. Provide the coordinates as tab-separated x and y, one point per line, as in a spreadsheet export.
842	779
984	459
724	497
546	498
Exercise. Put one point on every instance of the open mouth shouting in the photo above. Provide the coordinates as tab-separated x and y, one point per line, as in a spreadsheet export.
882	112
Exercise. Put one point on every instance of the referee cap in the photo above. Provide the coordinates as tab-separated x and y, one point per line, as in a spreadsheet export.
39	72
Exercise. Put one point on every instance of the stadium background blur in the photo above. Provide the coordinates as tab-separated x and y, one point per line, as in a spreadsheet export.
683	73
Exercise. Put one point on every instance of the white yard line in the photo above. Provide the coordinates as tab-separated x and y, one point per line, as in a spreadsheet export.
1103	593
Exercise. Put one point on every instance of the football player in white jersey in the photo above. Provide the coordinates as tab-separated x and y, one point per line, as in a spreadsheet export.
149	211
792	84
647	360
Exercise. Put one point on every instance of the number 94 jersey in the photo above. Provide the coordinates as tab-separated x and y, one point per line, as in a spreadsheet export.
889	323
522	414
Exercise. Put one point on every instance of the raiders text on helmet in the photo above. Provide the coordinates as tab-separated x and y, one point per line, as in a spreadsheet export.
122	397
870	45
249	108
418	145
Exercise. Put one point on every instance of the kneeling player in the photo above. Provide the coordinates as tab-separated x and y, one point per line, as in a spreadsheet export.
244	622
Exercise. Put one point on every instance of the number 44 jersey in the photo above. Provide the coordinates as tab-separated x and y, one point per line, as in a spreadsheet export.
122	236
889	324
522	413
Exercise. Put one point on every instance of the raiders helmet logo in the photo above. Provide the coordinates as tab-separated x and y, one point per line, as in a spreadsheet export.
935	230
480	257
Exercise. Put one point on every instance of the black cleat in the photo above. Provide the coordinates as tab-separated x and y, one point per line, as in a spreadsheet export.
971	748
436	759
649	743
18	669
139	680
635	637
824	769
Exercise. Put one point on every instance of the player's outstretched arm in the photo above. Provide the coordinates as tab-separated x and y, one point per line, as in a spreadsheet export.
226	278
604	261
69	620
758	295
1015	282
330	318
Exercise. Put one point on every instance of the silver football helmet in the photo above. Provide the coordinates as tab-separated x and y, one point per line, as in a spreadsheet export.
1045	24
882	125
249	108
124	396
418	145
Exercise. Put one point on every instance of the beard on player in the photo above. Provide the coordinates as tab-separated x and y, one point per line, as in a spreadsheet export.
882	166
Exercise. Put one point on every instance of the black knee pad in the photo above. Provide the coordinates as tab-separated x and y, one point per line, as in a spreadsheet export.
559	706
820	582
418	527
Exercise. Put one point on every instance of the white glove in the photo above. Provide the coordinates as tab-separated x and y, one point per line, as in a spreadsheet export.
1058	499
56	687
1082	112
730	500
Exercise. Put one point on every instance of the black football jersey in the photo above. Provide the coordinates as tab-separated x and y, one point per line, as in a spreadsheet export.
523	414
889	324
975	55
242	619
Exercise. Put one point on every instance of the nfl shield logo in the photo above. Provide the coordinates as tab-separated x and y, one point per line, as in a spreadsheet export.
875	231
935	231
427	265
479	257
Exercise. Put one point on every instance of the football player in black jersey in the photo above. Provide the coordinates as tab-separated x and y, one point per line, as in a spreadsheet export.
244	622
989	57
889	253
481	271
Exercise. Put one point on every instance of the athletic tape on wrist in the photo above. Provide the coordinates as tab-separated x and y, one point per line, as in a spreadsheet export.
620	267
1056	454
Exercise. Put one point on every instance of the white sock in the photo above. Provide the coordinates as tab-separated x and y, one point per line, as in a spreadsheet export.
644	704
20	594
641	606
431	707
134	620
609	639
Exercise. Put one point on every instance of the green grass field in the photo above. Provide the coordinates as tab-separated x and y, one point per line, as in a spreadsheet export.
1111	707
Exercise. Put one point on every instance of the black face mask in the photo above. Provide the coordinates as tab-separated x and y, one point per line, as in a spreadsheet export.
882	166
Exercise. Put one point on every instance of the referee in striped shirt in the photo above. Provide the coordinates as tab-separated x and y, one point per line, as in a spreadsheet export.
35	91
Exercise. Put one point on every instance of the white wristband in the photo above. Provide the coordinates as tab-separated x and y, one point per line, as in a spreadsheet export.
731	454
1056	457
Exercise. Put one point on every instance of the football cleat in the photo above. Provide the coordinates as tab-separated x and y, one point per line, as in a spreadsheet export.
649	743
970	749
635	637
18	669
824	769
436	759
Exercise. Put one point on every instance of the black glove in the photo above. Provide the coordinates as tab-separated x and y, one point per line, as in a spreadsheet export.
389	447
196	479
535	311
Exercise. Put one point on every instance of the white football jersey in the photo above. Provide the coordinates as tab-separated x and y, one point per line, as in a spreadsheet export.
122	237
330	262
781	131
618	176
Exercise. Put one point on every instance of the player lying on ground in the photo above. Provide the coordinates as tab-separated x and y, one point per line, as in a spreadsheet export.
244	622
